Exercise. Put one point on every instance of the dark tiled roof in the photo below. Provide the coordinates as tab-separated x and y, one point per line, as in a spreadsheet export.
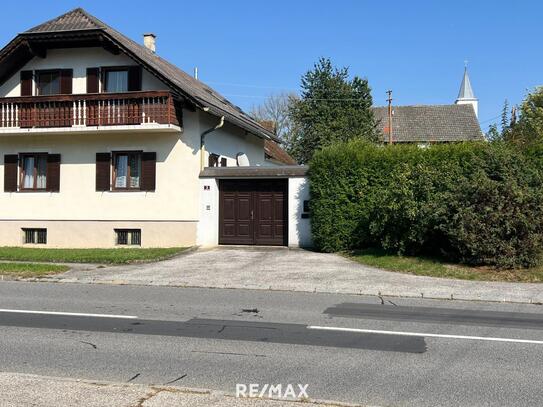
199	93
430	123
74	20
275	152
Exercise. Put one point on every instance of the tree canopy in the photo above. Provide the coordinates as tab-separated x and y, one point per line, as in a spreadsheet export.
529	127
332	108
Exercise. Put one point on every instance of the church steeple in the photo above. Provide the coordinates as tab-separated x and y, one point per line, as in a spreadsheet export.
466	95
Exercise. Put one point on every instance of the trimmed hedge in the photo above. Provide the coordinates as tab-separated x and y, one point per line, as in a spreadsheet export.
476	203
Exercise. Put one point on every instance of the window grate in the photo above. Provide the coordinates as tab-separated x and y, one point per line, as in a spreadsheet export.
128	237
35	236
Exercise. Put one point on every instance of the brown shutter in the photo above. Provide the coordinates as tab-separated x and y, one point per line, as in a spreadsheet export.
103	171
26	83
53	173
66	79
148	171
134	78
92	80
10	173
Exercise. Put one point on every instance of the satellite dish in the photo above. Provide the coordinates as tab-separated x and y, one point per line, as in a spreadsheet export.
242	160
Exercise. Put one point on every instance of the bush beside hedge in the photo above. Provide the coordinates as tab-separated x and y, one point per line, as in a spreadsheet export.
476	203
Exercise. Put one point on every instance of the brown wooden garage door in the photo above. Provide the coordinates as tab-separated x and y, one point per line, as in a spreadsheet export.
253	212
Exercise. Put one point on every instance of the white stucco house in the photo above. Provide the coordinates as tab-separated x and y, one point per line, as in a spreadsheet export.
103	143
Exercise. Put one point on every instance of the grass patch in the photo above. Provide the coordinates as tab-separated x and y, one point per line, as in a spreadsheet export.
106	256
26	270
435	267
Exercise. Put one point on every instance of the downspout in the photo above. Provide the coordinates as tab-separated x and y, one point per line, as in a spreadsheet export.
202	140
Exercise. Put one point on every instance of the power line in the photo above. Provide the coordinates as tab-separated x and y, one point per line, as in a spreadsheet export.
285	88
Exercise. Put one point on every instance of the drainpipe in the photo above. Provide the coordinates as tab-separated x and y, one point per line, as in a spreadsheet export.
202	140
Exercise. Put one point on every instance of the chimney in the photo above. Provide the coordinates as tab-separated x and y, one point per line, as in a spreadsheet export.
149	40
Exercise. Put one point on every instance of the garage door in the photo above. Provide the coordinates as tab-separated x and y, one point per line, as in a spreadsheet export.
253	212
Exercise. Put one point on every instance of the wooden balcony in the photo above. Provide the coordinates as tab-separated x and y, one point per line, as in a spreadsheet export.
88	111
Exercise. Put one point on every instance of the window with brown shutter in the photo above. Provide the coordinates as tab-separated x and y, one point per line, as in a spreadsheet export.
53	173
92	80
32	172
103	171
10	172
148	171
26	83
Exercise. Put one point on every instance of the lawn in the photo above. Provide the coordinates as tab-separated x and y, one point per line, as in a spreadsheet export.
105	256
26	270
435	267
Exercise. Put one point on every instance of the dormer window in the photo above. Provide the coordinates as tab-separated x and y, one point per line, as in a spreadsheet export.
115	80
48	82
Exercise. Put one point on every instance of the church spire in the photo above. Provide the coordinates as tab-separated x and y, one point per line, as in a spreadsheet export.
466	95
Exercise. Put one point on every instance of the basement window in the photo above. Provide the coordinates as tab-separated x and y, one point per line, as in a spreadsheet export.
128	237
35	236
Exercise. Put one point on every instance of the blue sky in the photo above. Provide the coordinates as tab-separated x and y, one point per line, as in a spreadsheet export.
249	49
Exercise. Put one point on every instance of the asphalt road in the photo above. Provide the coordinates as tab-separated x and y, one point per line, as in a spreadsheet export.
348	348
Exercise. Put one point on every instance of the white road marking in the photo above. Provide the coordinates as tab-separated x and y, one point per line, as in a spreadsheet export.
71	314
374	331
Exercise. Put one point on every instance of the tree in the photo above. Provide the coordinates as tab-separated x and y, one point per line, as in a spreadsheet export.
493	134
505	120
276	109
528	129
332	108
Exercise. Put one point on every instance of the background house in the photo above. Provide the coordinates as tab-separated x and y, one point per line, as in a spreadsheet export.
424	124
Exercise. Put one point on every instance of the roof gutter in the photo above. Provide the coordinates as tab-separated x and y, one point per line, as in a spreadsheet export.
202	140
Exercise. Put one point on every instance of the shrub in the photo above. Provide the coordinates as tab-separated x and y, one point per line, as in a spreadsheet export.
477	203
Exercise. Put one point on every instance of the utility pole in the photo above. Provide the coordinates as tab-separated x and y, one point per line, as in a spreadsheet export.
389	100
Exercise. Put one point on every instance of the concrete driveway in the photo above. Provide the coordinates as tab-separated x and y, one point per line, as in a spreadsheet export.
272	268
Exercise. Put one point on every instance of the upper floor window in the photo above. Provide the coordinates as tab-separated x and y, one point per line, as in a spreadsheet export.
48	82
115	80
127	170
33	171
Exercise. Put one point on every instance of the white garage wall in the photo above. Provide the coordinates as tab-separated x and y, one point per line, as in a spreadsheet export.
299	229
208	226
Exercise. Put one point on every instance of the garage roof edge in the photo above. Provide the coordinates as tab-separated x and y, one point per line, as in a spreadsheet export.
284	171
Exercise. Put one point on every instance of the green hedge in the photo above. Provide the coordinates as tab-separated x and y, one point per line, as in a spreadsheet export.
477	203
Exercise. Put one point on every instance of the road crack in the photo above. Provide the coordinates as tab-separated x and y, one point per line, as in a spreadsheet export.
154	391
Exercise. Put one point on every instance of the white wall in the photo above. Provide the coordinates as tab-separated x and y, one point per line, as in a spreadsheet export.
208	226
78	59
299	229
230	140
176	196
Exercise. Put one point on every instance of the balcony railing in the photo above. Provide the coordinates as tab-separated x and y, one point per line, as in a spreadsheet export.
102	109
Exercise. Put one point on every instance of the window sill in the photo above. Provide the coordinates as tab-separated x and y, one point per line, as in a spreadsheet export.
41	191
126	190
